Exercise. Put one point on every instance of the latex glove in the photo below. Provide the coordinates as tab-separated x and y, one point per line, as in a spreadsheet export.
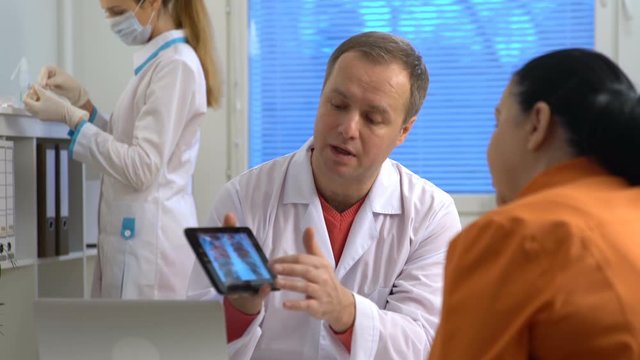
63	84
45	105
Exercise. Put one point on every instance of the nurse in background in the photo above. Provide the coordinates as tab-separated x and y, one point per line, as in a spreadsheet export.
147	149
554	272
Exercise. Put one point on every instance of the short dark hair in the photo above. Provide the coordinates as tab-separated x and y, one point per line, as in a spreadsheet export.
593	100
384	48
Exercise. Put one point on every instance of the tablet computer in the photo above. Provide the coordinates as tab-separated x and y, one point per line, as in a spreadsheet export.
231	257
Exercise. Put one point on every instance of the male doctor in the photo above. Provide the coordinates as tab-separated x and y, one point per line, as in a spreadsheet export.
358	241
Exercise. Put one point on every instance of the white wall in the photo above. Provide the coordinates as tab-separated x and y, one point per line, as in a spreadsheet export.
16	36
629	38
212	167
618	34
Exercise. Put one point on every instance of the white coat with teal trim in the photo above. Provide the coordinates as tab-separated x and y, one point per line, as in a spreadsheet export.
393	261
147	154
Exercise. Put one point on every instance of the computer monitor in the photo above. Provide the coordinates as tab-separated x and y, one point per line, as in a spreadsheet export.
78	329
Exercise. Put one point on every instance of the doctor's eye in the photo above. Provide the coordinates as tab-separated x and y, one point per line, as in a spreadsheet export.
373	119
114	12
338	105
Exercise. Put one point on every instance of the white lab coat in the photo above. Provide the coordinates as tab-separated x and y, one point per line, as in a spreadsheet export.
393	260
147	154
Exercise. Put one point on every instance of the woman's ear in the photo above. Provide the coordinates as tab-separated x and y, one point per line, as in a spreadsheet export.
540	125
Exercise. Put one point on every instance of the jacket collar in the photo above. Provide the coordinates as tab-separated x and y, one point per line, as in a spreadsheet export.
562	174
384	196
151	49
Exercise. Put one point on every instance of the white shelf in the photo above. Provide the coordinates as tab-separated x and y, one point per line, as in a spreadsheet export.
76	255
7	265
66	276
54	259
16	123
11	110
25	132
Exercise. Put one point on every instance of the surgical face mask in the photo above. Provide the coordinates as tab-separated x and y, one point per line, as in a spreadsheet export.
128	28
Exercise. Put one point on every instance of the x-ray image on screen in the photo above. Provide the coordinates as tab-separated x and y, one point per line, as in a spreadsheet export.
233	257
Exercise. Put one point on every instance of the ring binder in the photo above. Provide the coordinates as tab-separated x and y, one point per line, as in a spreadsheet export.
62	200
46	185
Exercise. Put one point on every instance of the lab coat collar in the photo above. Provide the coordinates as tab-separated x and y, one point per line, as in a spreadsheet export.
384	196
299	186
148	50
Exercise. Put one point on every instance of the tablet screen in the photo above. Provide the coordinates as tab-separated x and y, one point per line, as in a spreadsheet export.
234	257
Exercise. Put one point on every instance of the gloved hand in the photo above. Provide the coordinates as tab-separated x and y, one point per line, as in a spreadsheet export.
61	83
45	105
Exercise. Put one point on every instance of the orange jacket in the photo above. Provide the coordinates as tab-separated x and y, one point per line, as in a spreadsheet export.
552	275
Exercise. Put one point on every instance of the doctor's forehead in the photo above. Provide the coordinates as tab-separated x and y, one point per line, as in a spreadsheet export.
117	4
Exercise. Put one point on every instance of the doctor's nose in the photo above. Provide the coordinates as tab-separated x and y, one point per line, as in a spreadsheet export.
350	126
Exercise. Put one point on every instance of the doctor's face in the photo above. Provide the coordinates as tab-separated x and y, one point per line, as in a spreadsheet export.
360	118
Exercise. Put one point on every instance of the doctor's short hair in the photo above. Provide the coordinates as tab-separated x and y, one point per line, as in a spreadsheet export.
383	48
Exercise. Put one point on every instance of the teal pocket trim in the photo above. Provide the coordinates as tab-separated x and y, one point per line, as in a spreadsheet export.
128	230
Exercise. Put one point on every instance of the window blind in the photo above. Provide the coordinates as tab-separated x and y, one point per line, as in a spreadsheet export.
470	47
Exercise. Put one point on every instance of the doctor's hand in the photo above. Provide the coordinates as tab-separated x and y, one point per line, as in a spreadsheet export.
45	105
250	304
57	80
312	275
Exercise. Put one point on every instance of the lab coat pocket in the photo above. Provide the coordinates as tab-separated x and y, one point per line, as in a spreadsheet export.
379	297
133	228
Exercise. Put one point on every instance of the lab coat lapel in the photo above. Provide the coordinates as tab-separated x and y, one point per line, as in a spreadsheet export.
363	233
315	219
300	188
383	198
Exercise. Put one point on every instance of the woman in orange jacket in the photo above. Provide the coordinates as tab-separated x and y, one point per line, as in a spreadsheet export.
554	271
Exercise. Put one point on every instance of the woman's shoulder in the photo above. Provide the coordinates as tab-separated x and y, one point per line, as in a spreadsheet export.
179	56
549	222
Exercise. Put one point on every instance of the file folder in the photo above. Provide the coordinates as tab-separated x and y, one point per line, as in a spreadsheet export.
62	200
4	240
46	188
9	201
3	206
3	189
3	250
10	205
3	218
